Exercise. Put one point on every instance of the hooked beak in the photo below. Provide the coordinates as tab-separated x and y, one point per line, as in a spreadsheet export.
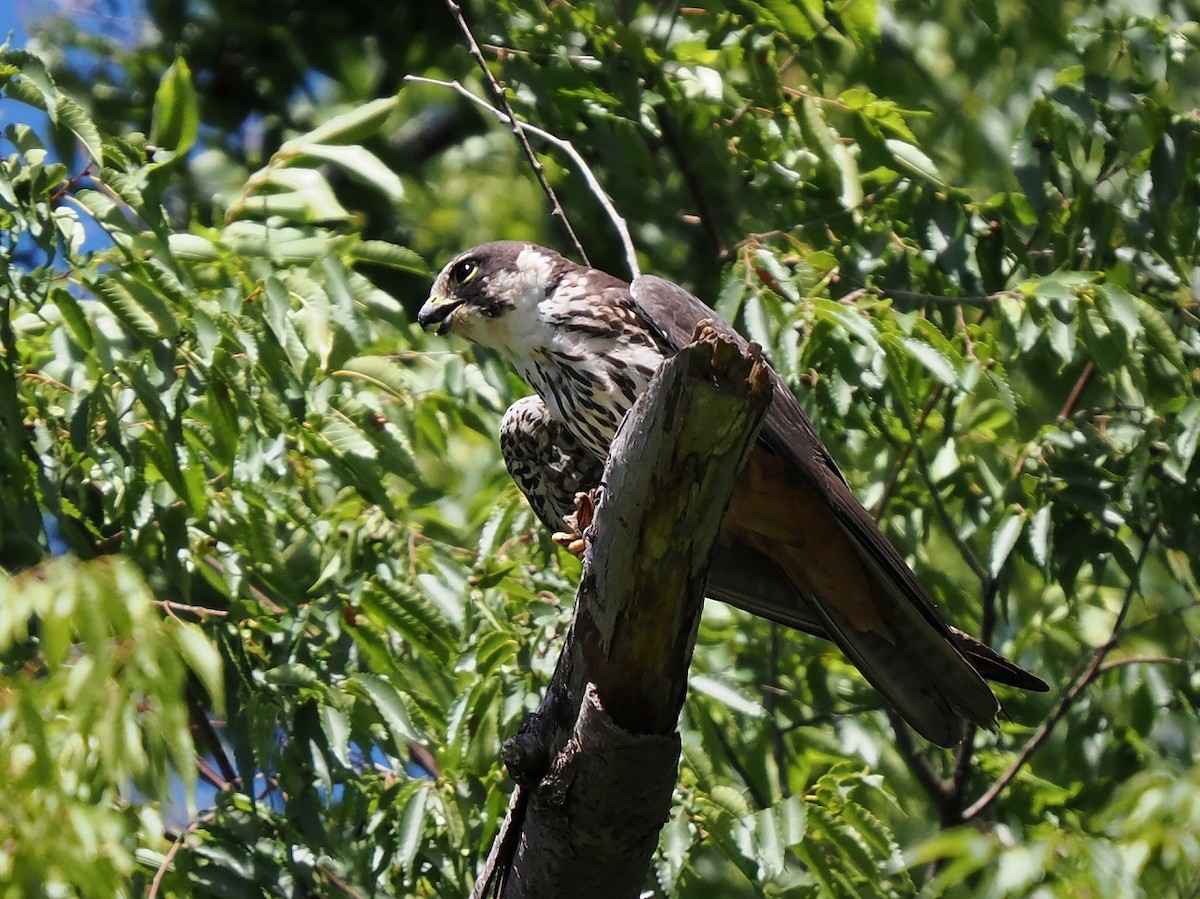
437	310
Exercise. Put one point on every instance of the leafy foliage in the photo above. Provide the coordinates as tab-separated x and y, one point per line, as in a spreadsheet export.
981	279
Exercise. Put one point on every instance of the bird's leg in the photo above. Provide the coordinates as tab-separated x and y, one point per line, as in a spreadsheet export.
551	468
577	523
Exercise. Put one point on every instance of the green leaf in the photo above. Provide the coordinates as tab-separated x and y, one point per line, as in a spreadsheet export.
201	656
861	21
391	705
336	727
1039	535
33	69
1121	307
359	163
1161	336
392	255
296	194
175	124
1003	542
73	117
1183	447
933	360
726	695
914	160
357	124
133	315
411	830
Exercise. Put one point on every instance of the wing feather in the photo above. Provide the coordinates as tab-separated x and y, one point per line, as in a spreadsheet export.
933	681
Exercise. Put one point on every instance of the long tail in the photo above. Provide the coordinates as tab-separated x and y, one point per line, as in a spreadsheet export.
854	585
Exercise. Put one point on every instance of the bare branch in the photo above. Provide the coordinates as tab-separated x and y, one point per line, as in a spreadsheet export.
567	147
938	789
1142	660
935	299
518	129
170	606
1093	670
939	507
1073	398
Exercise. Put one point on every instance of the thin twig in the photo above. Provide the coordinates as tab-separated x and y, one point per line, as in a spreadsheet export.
176	844
171	607
934	299
156	882
1068	408
683	159
770	700
905	451
518	129
567	147
938	790
1142	660
1094	669
939	507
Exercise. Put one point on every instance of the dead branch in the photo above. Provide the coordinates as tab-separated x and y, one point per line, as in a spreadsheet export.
596	764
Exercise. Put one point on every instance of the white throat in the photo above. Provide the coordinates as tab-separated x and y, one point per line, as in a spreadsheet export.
521	331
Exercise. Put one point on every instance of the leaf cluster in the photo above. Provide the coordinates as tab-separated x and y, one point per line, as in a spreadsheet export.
979	278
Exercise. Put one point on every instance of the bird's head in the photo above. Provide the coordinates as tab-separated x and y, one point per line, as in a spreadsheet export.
491	293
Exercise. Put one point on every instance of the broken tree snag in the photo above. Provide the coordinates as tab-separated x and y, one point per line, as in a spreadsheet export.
589	826
670	472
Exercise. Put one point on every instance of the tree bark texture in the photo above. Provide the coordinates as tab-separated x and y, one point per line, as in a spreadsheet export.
596	764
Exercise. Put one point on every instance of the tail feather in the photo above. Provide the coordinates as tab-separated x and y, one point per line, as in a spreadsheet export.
931	676
921	673
994	666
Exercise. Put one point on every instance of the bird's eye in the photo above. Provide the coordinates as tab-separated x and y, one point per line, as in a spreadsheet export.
463	272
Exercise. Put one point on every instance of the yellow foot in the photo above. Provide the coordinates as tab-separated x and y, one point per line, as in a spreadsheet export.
574	538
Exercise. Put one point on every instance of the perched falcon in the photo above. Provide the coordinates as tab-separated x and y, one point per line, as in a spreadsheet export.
795	545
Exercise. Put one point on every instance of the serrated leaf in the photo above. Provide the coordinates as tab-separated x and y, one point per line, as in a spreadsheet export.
847	319
1038	535
377	372
1121	307
1183	447
860	18
32	69
494	650
1160	336
729	801
360	164
406	612
296	194
129	311
191	247
335	725
202	656
1003	542
292	674
346	438
412	827
73	314
380	252
932	359
390	704
74	118
768	846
